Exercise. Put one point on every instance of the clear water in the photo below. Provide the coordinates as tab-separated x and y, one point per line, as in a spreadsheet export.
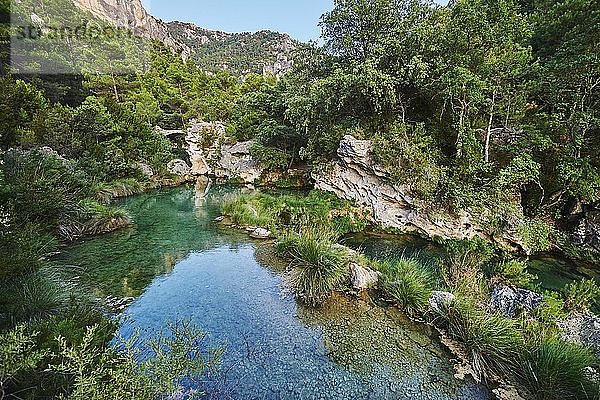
178	263
553	272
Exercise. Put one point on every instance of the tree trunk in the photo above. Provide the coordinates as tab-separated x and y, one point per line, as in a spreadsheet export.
488	134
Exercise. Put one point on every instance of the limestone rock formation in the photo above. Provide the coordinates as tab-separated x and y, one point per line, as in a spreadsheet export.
586	234
131	14
179	167
210	155
356	177
582	329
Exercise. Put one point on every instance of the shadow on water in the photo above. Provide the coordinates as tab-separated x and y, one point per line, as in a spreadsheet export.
179	264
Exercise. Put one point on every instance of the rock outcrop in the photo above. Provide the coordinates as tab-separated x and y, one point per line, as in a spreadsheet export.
356	177
211	155
179	167
132	15
582	329
586	234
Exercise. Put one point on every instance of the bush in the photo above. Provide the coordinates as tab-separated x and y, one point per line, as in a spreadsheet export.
514	273
536	235
581	295
88	368
493	342
556	370
410	155
319	266
462	270
407	282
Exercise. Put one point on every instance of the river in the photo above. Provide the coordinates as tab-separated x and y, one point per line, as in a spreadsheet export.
178	264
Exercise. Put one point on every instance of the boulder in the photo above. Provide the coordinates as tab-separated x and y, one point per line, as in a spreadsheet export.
179	167
582	329
261	233
363	278
440	301
511	302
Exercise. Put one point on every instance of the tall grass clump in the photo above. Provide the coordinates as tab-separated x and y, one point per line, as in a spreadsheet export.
407	282
320	267
462	270
316	208
492	341
556	370
254	209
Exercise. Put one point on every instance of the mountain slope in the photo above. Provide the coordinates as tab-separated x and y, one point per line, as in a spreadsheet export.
239	53
260	52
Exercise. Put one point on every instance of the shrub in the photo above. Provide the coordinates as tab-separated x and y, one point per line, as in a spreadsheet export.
319	266
581	295
556	370
492	341
37	295
514	273
407	282
88	368
536	234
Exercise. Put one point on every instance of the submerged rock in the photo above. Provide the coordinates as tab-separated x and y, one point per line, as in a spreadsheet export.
582	329
363	278
511	302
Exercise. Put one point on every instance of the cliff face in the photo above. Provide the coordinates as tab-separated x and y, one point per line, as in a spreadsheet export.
354	176
131	14
240	53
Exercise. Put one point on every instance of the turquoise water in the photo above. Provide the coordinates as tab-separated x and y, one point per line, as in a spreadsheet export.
553	272
178	264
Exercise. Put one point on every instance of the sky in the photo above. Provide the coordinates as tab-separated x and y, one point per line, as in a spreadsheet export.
299	18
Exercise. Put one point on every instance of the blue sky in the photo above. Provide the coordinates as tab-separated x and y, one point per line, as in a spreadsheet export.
299	18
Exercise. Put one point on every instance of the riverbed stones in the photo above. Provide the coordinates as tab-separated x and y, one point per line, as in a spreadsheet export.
513	301
363	278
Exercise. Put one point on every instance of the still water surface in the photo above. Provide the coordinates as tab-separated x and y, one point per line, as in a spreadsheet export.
178	264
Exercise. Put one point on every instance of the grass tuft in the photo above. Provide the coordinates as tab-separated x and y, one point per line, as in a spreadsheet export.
556	370
407	282
320	267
